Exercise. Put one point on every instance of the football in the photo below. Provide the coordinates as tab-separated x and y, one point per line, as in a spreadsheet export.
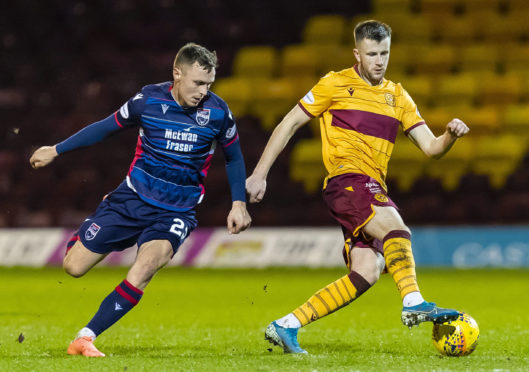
456	338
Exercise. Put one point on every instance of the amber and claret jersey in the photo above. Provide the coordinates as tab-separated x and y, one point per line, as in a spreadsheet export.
359	122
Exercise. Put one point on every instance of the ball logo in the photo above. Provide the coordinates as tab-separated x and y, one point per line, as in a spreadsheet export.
92	231
202	116
381	198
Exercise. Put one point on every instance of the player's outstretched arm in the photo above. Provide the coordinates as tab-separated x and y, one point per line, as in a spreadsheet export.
436	147
238	219
256	183
43	156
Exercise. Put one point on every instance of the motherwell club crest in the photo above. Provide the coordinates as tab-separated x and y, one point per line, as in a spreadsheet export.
202	116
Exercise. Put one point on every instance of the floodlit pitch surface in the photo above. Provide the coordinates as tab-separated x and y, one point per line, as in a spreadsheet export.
213	320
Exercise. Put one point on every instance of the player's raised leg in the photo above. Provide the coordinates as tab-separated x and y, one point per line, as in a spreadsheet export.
387	225
152	256
365	271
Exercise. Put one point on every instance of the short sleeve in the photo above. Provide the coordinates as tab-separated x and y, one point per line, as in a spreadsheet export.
319	98
411	117
130	113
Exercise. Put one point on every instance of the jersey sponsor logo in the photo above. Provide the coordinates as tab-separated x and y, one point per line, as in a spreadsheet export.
351	91
124	111
390	99
381	198
92	231
164	108
202	116
309	98
231	132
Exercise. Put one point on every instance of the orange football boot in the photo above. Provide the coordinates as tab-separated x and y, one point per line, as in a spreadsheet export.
84	346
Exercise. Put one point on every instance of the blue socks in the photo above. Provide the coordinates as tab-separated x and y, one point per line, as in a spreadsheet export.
114	306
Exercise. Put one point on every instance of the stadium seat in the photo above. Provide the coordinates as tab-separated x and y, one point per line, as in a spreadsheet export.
325	30
419	87
454	164
255	62
497	157
516	58
499	90
481	6
502	28
434	59
438	9
456	30
437	118
516	120
236	91
272	99
485	120
455	90
306	164
400	59
333	58
298	60
409	29
479	57
406	164
382	7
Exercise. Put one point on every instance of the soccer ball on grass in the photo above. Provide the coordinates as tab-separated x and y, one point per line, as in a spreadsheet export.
456	338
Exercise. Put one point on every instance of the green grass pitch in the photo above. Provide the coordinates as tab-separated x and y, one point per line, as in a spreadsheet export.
214	320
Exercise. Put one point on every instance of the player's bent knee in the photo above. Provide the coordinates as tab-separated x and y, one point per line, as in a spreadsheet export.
72	270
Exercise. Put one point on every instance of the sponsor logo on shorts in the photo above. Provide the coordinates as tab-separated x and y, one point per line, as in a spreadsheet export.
92	231
203	116
381	198
373	187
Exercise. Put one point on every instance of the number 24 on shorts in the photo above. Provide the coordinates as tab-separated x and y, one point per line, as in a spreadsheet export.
179	228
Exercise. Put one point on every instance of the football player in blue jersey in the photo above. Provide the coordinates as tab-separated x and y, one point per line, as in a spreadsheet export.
179	123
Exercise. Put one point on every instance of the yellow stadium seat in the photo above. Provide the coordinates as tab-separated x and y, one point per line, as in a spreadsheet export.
457	30
434	59
381	7
333	58
255	62
271	100
325	29
517	6
499	90
504	28
406	164
454	90
516	120
236	91
298	60
437	119
481	6
439	8
420	88
479	57
409	29
485	120
306	164
400	59
516	58
497	157
454	164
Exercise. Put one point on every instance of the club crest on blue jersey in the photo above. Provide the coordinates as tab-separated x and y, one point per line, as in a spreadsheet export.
202	116
92	231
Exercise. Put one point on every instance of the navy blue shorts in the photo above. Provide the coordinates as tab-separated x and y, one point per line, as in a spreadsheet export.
123	219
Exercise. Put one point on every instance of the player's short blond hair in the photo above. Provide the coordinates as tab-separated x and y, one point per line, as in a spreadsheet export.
191	53
372	30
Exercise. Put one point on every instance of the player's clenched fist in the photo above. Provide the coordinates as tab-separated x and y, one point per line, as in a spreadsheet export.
43	156
457	128
255	187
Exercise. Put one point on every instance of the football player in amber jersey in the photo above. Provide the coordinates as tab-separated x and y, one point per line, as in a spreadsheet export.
360	114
